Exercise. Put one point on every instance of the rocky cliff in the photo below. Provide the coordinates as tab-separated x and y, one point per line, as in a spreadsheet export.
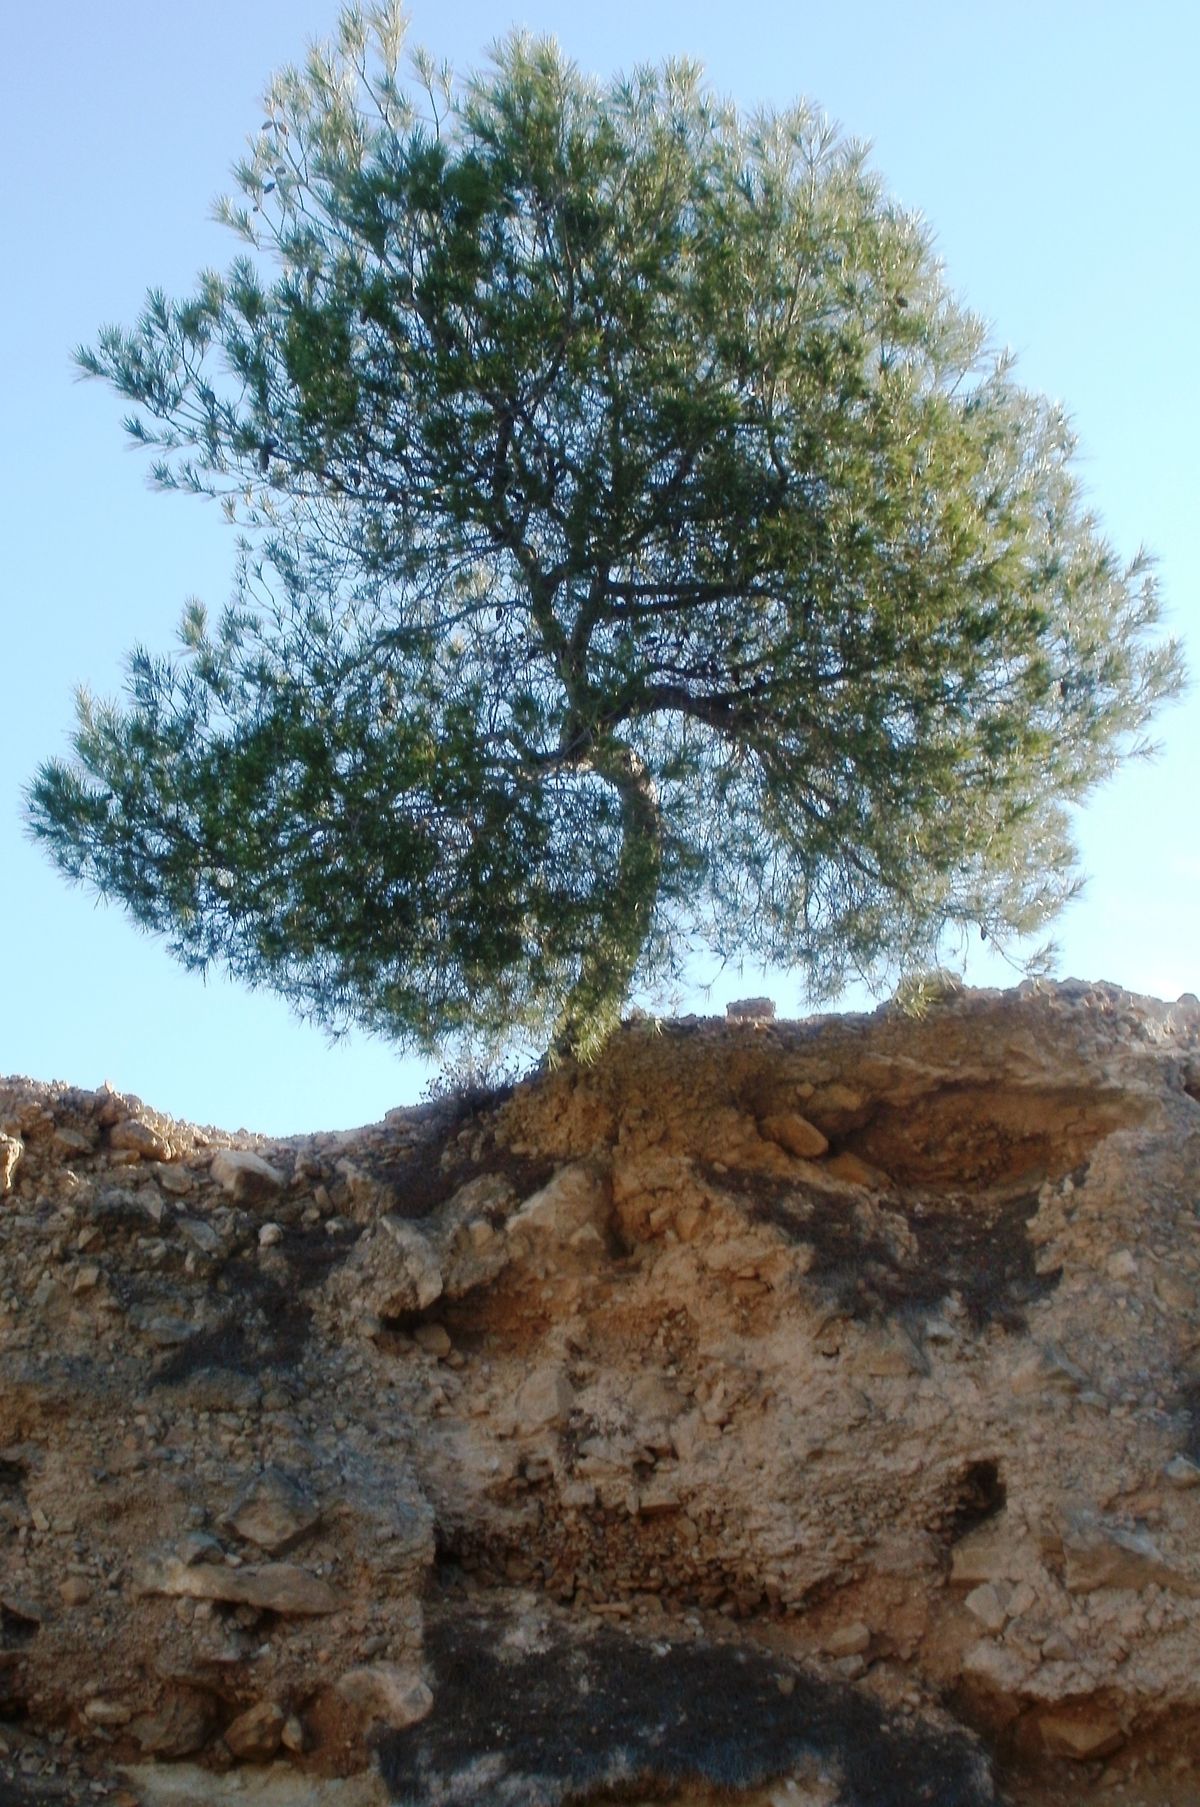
787	1414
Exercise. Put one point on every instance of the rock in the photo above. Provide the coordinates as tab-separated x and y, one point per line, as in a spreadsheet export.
1175	1292
1181	1471
202	1236
11	1150
988	1604
69	1141
1101	1554
165	1329
891	1351
575	1199
74	1591
1080	1734
245	1176
1047	1370
292	1737
992	1552
173	1179
112	1713
856	1172
406	1272
544	1399
995	1667
852	1639
660	1494
278	1587
274	1511
794	1133
255	1736
391	1695
182	1726
270	1236
434	1339
138	1138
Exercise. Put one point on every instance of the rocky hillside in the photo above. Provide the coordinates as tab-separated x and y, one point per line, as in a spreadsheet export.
796	1414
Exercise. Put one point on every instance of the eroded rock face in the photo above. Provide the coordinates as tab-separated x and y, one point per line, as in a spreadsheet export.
704	1421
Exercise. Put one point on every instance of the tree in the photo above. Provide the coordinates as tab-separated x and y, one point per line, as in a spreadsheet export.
645	550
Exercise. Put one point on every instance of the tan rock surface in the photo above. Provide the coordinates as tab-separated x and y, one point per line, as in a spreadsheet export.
717	1412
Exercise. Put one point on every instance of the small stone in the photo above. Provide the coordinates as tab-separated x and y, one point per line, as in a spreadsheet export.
274	1511
1181	1471
74	1591
397	1697
137	1138
245	1176
988	1603
183	1726
11	1150
433	1338
794	1133
174	1179
1058	1648
86	1278
1100	1554
270	1236
68	1142
292	1736
201	1235
1176	1293
277	1586
856	1172
853	1639
1081	1735
408	1269
255	1736
1121	1266
995	1667
107	1712
544	1398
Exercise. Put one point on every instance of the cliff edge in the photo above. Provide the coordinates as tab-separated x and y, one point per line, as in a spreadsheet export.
794	1414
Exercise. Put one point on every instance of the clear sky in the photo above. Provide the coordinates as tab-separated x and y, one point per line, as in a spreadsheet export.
1053	146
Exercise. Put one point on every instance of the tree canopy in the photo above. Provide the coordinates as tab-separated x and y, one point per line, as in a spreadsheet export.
642	549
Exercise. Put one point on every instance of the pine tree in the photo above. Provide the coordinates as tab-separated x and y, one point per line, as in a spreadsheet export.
643	549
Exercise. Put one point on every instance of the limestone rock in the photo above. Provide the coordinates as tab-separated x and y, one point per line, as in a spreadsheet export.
795	1133
255	1736
182	1726
1099	1553
246	1176
854	1171
1080	1735
11	1150
395	1696
544	1399
274	1511
572	1201
140	1139
278	1587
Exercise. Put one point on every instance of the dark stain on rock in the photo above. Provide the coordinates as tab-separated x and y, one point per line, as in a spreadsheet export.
522	1726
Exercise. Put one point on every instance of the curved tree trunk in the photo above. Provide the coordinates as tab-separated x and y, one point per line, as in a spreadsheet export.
593	1009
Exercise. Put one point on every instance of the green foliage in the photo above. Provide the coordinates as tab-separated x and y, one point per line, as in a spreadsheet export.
647	552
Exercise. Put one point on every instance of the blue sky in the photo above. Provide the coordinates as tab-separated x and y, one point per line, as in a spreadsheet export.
1053	148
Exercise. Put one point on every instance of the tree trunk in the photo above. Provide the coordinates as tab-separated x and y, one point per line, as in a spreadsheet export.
593	1009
